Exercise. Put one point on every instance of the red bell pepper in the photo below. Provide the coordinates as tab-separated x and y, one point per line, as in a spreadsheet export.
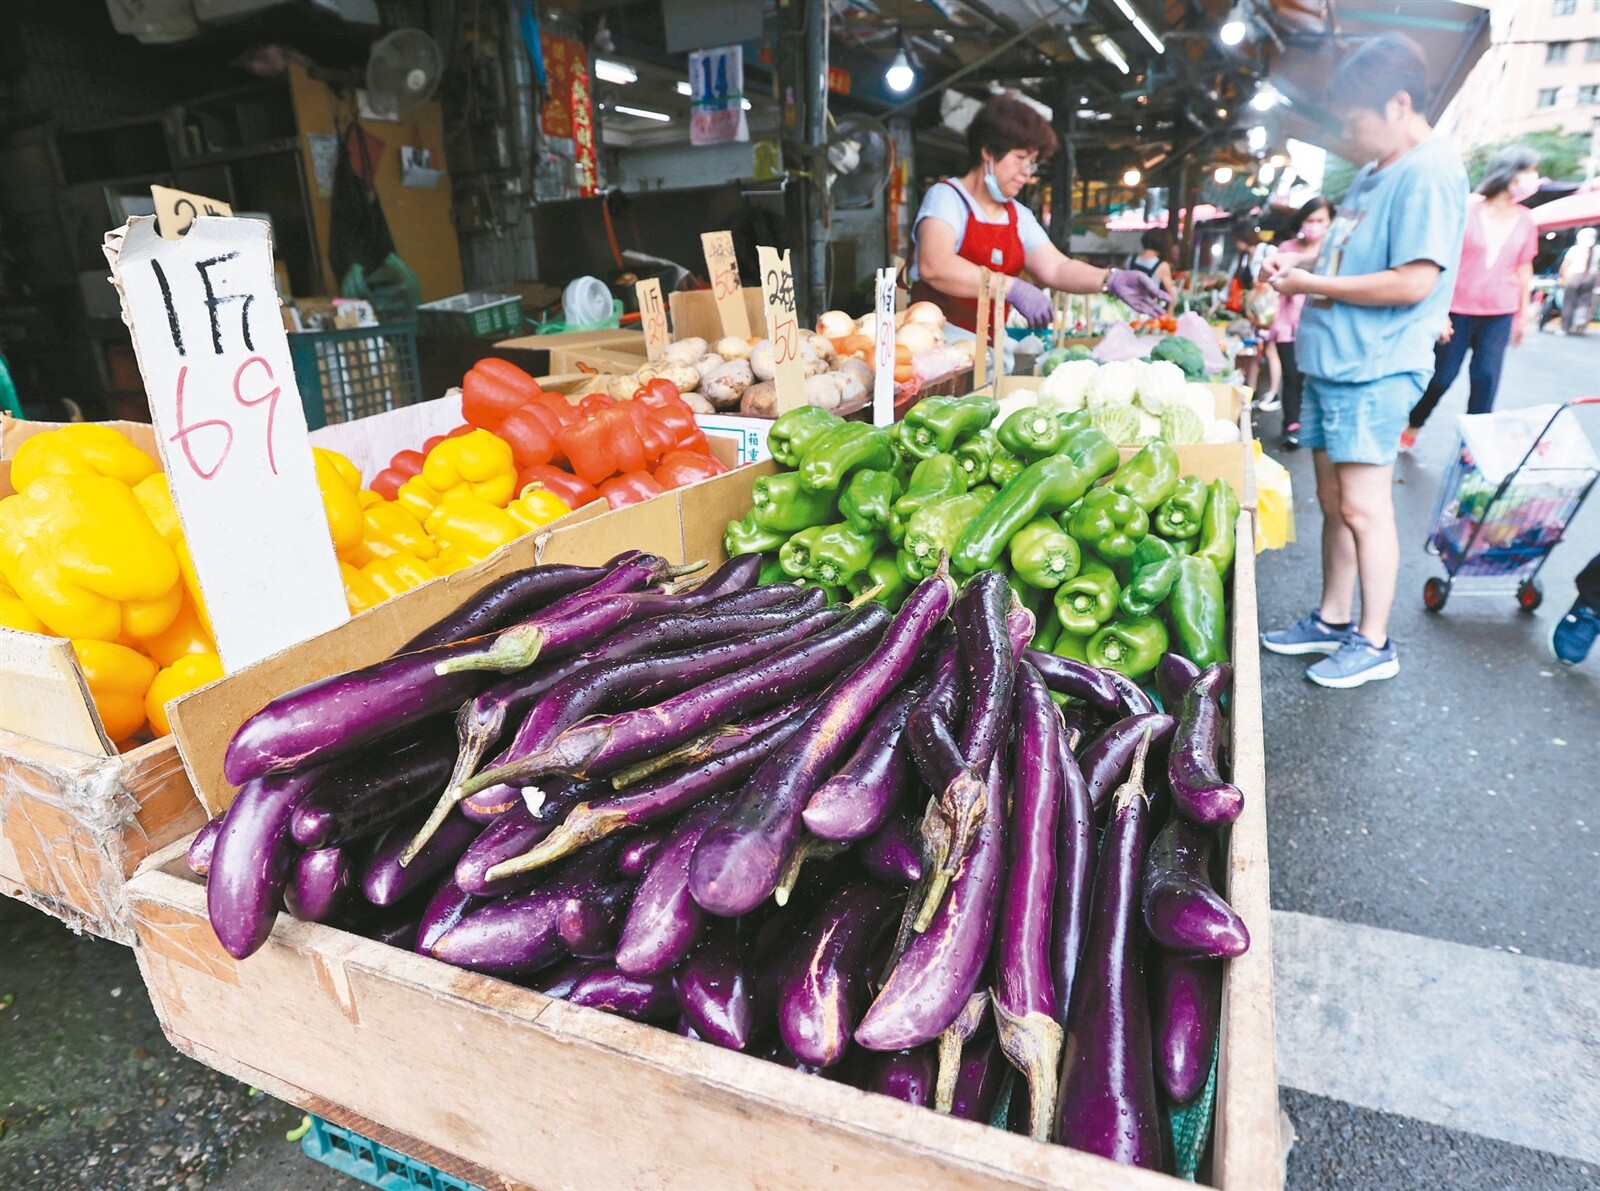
568	487
564	412
678	468
529	436
657	390
493	389
387	483
696	442
630	488
408	463
593	404
655	435
600	446
464	428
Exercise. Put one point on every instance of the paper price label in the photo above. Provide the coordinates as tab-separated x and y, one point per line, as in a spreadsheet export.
883	350
176	210
783	326
653	315
232	433
980	352
722	269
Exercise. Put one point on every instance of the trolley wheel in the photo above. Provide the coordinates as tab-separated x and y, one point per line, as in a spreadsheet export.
1529	595
1434	593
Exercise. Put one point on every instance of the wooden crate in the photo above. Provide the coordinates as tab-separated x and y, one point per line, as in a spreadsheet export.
508	1088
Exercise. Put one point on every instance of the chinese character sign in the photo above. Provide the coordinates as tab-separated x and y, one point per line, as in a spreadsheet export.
717	99
585	155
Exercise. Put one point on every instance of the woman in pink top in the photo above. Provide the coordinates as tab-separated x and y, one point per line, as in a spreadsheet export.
1306	233
1491	296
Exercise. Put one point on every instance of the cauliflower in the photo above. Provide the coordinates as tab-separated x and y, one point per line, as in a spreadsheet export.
1222	431
1202	400
1160	385
1114	385
1149	430
1181	425
1012	402
1119	423
1068	384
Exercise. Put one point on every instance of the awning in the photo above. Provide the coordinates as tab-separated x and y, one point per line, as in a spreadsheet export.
1133	219
1578	209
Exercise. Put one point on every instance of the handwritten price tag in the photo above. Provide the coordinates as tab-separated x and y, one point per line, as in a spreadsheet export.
176	210
783	326
722	267
883	350
653	314
211	346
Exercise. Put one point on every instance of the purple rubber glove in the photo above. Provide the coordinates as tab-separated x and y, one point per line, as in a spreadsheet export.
1140	291
1032	303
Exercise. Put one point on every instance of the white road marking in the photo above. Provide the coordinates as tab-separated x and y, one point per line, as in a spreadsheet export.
1504	1046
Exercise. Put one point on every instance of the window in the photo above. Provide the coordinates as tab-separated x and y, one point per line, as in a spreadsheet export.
1547	96
1589	95
1565	8
1556	51
1591	48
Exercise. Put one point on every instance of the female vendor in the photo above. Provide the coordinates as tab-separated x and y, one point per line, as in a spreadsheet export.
975	221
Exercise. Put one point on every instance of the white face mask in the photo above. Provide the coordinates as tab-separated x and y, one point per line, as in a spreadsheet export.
1313	233
992	185
1521	188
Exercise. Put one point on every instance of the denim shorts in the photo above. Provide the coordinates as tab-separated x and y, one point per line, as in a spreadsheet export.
1360	422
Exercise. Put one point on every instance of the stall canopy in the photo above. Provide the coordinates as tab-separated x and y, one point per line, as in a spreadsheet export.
1578	209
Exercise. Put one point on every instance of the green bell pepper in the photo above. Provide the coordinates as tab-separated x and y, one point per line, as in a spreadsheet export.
1108	523
745	536
883	571
936	425
1152	571
1093	452
771	571
1179	515
781	504
1004	466
1198	610
868	500
1032	433
839	553
792	433
1150	476
1088	599
797	556
985	490
1217	527
1074	424
936	528
1047	627
854	446
1043	556
836	595
1047	486
975	455
1071	645
1131	647
937	477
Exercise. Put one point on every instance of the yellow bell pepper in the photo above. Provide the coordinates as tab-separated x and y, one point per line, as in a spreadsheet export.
417	498
392	528
360	592
184	636
155	497
397	573
478	461
118	679
339	501
456	558
463	519
537	507
14	613
368	498
188	673
81	449
85	559
343	465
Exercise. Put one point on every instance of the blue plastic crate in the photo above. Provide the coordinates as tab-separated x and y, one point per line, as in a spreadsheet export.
376	1165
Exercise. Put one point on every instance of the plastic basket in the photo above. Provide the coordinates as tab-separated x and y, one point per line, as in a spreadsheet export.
376	1165
481	314
345	375
556	326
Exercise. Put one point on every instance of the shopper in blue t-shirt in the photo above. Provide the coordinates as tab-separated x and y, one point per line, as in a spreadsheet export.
1377	296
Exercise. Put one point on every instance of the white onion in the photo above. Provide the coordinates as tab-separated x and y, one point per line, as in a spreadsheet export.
925	312
917	337
835	324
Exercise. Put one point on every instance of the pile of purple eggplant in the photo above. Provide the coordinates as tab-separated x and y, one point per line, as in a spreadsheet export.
864	845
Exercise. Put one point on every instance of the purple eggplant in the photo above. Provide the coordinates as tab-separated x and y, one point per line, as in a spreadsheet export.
715	991
1077	680
1105	762
198	856
952	1042
1175	674
1108	1102
509	836
384	881
606	745
322	882
393	928
373	792
643	998
856	800
734	615
893	853
1025	1006
664	921
903	1074
448	906
825	993
982	1075
559	981
1182	912
1131	699
933	748
253	858
1080	724
1186	1013
940	968
740	861
640	852
1075	865
1198	790
587	923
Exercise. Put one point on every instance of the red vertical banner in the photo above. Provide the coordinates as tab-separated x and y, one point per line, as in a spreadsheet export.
584	152
562	56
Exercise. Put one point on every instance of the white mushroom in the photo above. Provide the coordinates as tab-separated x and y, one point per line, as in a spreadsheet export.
727	384
731	347
685	351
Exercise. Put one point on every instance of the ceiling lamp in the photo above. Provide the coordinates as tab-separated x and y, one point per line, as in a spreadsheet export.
901	75
1131	177
1265	98
1137	22
1223	176
1112	53
614	72
1256	138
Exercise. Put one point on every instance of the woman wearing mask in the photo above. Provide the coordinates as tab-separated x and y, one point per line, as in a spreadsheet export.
974	222
1487	310
1305	239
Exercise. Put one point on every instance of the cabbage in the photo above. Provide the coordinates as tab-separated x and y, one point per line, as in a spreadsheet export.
1119	423
1067	386
1222	431
1202	400
1181	425
1160	385
1149	429
1113	385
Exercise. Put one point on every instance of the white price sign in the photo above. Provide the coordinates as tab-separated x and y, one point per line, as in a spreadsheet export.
783	326
722	270
215	361
176	210
653	314
883	350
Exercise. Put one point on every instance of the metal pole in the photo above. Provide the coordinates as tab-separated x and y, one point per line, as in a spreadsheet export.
1066	114
816	138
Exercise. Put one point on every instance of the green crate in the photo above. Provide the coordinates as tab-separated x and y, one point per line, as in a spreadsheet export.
360	1157
345	375
480	314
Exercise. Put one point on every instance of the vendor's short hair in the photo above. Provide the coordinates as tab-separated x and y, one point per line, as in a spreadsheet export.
1004	124
1157	240
1377	72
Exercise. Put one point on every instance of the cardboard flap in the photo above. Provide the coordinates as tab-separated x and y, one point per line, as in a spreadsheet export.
43	694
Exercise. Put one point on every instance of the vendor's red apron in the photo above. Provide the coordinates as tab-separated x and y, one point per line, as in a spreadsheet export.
993	246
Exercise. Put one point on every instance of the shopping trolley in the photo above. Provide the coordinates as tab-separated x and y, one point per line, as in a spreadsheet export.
1517	481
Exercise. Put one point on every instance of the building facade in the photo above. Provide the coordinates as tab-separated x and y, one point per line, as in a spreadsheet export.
1541	72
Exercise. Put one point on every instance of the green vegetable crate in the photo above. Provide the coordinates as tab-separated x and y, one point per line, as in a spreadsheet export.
478	313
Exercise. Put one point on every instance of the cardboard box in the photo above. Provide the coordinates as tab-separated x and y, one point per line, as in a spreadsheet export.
694	313
444	1063
594	360
750	434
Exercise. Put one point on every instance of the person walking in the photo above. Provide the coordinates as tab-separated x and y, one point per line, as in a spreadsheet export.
1490	305
1154	260
1575	633
1306	233
1376	292
1577	283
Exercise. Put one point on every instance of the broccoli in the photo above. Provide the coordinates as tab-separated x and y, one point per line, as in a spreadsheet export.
1185	353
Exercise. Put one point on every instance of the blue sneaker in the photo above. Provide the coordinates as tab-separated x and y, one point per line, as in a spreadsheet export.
1574	634
1358	661
1309	634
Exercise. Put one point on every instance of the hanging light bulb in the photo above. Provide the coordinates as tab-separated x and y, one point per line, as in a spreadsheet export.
1235	28
1130	177
901	75
1224	175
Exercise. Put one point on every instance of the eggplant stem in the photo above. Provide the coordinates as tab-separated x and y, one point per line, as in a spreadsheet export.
514	649
583	826
473	739
1033	1043
951	1041
948	830
810	848
868	595
691	752
677	571
436	817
